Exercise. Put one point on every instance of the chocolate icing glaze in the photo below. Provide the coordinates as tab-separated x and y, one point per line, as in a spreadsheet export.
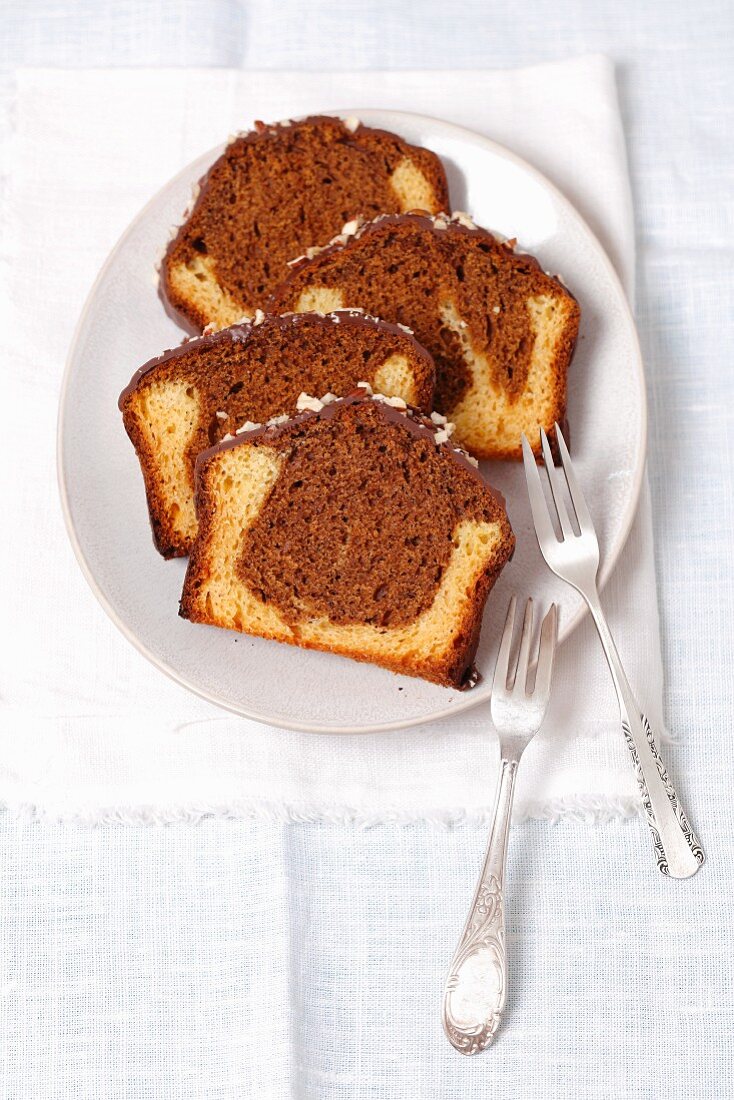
262	132
472	677
242	332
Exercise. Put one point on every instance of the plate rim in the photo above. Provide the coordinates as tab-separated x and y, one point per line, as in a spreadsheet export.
608	565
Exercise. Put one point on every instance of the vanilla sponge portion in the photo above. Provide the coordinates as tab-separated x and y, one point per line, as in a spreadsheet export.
415	610
489	419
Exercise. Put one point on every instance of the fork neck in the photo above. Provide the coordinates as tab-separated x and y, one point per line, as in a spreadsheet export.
511	749
496	857
621	683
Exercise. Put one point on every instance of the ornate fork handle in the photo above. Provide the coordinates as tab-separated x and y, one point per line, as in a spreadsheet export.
474	995
677	849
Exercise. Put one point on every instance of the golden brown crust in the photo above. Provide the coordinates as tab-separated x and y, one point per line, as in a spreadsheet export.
442	658
211	386
166	538
501	331
276	192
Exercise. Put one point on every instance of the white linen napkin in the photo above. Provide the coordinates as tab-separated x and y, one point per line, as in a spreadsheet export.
89	730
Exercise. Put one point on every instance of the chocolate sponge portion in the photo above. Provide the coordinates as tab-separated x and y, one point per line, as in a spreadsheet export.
188	399
501	331
357	529
279	191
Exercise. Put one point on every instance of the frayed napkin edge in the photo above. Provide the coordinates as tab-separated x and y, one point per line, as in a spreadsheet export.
582	809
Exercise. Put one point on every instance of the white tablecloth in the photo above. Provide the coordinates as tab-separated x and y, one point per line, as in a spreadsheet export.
238	960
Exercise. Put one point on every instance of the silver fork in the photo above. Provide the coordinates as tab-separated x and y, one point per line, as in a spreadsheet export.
575	559
474	995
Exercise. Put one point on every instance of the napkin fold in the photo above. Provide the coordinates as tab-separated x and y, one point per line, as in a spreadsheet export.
89	731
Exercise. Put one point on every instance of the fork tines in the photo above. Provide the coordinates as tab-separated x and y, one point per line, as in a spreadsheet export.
512	676
541	517
575	555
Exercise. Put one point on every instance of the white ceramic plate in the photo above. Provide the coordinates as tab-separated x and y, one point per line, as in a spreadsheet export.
124	324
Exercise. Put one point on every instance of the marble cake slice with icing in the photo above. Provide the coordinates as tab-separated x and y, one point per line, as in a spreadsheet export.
356	528
190	398
278	191
501	331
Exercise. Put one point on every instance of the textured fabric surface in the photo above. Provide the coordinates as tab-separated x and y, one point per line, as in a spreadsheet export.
142	962
285	962
163	754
